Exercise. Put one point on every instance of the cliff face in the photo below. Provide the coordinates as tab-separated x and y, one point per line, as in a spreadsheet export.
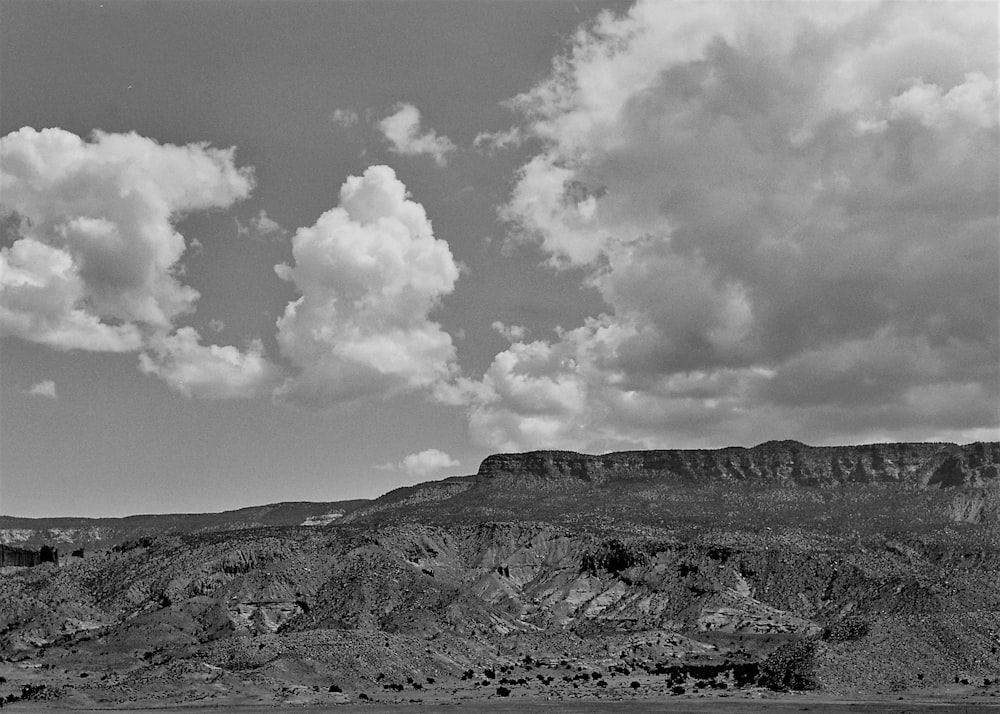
837	489
780	463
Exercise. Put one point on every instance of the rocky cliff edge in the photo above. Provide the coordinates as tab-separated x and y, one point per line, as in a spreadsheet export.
785	463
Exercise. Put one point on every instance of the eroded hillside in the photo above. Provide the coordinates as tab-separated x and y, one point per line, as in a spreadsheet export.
638	576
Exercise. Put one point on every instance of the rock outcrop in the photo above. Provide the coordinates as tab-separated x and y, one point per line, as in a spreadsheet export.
780	463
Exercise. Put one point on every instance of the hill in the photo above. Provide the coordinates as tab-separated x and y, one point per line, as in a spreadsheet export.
729	573
69	533
876	488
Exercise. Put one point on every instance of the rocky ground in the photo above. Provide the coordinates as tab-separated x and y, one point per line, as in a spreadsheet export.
870	589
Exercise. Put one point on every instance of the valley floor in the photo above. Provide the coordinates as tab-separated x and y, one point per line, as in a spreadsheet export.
741	704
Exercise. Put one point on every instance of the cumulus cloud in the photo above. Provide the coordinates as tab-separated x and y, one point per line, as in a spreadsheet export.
402	130
369	272
212	371
421	464
43	299
790	211
46	388
95	260
97	253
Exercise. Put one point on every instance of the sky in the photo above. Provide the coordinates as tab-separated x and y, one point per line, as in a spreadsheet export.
266	251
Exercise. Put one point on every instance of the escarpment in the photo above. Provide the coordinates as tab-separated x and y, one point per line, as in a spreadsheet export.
782	484
779	463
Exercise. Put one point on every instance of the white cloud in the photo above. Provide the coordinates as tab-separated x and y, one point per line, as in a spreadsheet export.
261	227
96	264
369	272
46	388
96	261
345	118
512	333
43	299
493	141
402	130
421	464
211	371
790	211
972	102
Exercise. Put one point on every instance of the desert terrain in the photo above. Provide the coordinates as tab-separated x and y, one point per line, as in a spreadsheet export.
778	578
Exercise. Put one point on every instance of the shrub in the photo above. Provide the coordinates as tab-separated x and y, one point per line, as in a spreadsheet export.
612	556
790	666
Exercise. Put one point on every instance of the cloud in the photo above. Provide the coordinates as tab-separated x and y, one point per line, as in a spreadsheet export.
512	333
493	141
216	325
790	212
402	130
46	388
95	263
369	272
212	371
261	227
345	118
43	299
421	464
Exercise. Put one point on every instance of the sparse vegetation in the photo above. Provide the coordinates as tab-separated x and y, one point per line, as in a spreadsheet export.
588	598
